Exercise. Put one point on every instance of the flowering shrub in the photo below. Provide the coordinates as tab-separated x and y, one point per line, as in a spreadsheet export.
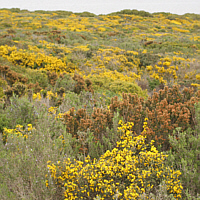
19	131
54	60
101	82
131	169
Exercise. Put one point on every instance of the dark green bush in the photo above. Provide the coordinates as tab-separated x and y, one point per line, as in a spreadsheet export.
85	14
119	86
147	59
65	82
153	83
4	121
133	12
40	77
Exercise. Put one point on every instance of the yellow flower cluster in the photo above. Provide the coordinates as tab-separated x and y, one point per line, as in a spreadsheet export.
35	60
167	68
114	58
52	110
19	131
126	172
50	45
198	77
180	30
112	75
50	95
37	96
196	85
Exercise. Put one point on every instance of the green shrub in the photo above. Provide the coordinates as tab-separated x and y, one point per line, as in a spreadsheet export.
148	59
85	14
21	111
1	92
119	86
116	86
66	82
153	83
133	12
38	76
185	156
4	121
23	160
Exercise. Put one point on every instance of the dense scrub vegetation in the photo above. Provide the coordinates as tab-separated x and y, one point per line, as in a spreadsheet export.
99	106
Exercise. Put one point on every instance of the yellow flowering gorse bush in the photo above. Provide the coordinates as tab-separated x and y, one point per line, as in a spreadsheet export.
131	169
18	131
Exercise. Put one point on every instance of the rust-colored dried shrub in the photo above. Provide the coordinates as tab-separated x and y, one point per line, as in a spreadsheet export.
113	33
83	37
10	76
167	109
16	83
131	108
76	120
35	87
148	43
89	85
80	84
11	31
81	121
52	77
101	119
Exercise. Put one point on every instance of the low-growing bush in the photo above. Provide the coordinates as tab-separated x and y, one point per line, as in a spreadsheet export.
126	87
128	171
117	86
153	83
20	111
185	156
25	154
66	82
167	109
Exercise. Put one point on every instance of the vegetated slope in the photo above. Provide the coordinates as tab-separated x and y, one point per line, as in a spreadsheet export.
68	79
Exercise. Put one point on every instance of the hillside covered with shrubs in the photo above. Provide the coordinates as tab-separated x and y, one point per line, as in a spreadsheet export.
99	106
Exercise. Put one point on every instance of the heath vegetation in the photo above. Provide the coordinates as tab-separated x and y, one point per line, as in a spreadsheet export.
99	106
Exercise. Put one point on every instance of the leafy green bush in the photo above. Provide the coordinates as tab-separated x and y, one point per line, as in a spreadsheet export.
66	82
1	92
185	156
38	76
4	121
148	59
153	83
133	12
85	14
23	160
21	111
119	86
116	86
